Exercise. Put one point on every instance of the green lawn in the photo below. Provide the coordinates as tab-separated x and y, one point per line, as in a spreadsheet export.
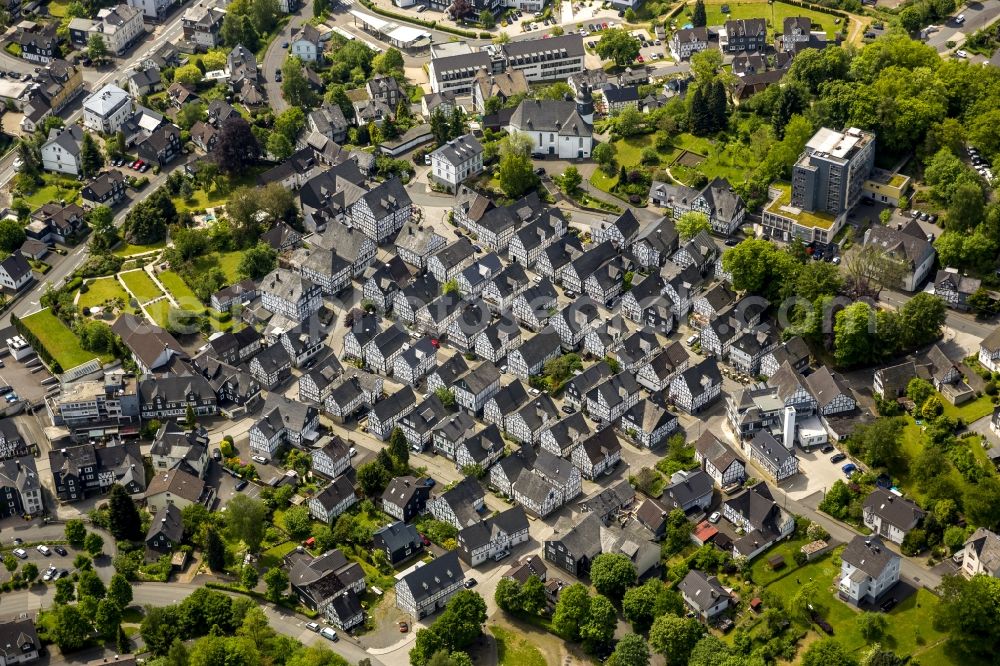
628	153
141	285
763	574
229	262
969	411
217	194
515	650
272	557
101	291
775	15
159	311
58	8
54	189
910	630
59	341
182	293
732	161
132	250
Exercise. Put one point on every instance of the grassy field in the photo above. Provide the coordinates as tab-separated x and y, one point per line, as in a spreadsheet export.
141	285
59	341
628	152
159	311
775	15
910	630
272	557
54	189
732	161
132	250
514	650
970	411
103	290
216	195
182	293
763	574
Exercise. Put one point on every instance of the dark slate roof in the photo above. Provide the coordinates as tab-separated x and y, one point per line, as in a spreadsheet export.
897	511
701	590
437	575
479	379
394	404
540	346
167	521
335	493
397	536
868	554
689	488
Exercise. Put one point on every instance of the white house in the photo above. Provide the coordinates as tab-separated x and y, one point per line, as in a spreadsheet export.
703	594
15	272
61	153
555	128
457	160
107	109
333	500
307	45
426	589
889	515
867	570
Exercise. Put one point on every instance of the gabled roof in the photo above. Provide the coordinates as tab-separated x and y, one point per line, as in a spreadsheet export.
440	574
868	554
167	522
897	511
702	591
558	116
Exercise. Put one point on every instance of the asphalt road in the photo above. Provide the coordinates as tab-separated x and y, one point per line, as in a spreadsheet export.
958	321
978	15
274	58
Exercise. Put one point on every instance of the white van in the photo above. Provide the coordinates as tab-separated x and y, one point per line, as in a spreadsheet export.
692	340
329	634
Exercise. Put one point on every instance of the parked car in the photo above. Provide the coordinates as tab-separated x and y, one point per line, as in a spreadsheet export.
241	485
471	583
61	551
837	458
49	574
313	626
566	409
20	553
404	627
714	518
259	459
849	468
430	483
425	540
329	634
827	449
43	549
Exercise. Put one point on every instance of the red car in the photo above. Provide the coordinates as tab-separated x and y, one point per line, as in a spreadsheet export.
639	58
426	541
435	343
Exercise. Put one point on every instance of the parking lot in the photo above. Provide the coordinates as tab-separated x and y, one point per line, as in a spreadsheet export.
25	377
102	565
816	473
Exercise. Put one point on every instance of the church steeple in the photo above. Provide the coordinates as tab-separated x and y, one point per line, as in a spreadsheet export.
585	102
